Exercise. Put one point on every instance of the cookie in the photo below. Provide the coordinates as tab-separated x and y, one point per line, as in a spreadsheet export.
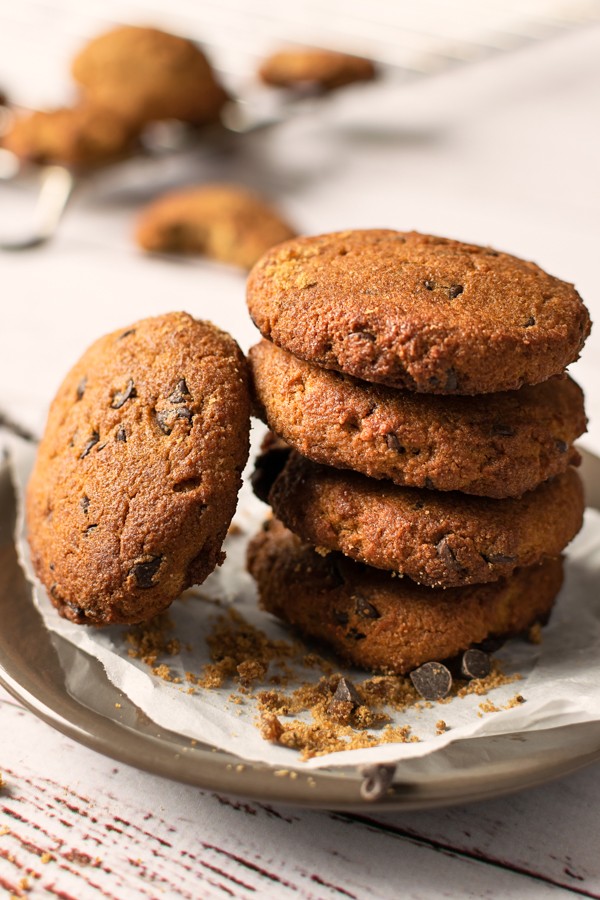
438	539
387	624
137	474
148	75
223	221
81	136
326	69
497	445
413	311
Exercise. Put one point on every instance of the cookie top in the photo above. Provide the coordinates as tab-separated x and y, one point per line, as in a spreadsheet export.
438	539
223	221
326	69
413	311
496	445
388	624
146	75
84	136
137	473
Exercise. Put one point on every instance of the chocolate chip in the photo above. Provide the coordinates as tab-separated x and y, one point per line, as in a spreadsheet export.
502	429
180	392
346	692
365	609
447	554
561	446
393	443
418	505
455	290
85	504
81	388
429	285
432	681
364	336
89	530
340	711
451	380
340	617
126	334
475	664
121	435
429	484
166	418
356	635
144	571
91	443
530	321
121	397
498	558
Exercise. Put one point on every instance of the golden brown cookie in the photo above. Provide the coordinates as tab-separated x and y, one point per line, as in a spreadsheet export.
413	311
494	445
387	624
83	136
326	69
438	539
137	473
147	75
223	221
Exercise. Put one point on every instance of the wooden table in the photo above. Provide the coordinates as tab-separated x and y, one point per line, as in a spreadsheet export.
505	154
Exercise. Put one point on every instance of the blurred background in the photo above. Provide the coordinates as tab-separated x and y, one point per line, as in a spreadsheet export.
483	125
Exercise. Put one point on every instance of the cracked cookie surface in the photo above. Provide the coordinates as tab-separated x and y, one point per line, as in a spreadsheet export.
498	445
435	538
387	624
416	311
138	471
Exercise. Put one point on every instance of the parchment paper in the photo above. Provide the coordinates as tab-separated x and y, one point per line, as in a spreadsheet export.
560	678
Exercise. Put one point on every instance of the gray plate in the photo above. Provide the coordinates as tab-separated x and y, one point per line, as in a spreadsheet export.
33	667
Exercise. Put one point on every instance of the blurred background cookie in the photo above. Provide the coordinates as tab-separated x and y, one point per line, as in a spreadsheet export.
326	69
225	222
147	75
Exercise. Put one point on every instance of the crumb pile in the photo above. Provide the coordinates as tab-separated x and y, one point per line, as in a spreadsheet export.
421	458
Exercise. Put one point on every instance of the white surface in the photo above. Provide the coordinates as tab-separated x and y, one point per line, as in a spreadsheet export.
506	154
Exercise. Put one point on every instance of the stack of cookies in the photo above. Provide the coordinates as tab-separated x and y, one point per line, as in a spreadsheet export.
421	463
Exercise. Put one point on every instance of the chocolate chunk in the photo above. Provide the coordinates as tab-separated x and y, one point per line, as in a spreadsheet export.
166	418
121	435
144	571
91	443
502	429
180	393
81	388
346	692
340	711
89	530
377	780
561	446
451	380
363	335
475	664
356	635
85	504
340	617
498	558
365	609
429	285
530	321
393	443
455	290
447	555
432	681
121	397
126	334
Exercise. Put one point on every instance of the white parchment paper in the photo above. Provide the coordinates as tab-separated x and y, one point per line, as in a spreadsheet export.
560	678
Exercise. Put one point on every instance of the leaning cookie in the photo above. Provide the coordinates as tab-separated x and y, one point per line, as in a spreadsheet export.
82	136
223	221
496	445
146	75
419	312
387	624
326	69
138	471
438	539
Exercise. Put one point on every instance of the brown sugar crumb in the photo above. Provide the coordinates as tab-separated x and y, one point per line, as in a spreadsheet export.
534	635
252	670
152	639
164	672
441	727
482	686
2	782
488	707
